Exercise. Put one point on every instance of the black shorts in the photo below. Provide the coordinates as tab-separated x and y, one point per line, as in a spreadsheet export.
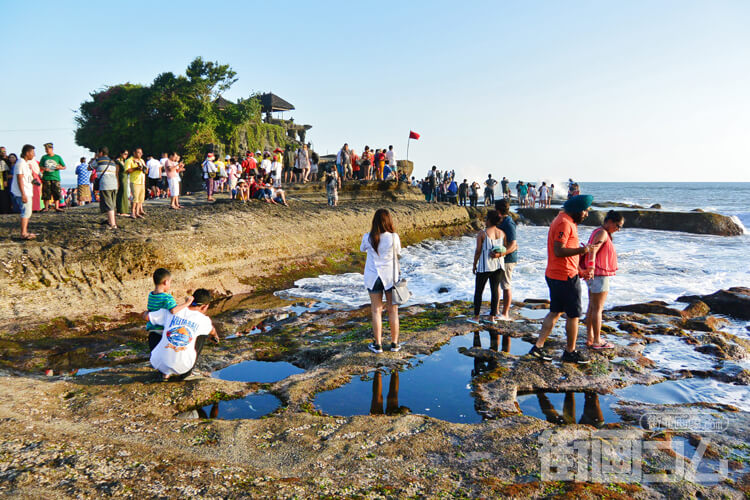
50	190
152	183
378	287
565	296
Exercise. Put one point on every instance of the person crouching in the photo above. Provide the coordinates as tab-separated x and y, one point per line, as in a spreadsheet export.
184	334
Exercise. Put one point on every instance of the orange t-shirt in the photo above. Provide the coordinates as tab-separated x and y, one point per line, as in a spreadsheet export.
564	230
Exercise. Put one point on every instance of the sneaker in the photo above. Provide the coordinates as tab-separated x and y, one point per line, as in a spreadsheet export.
395	347
376	348
539	354
574	357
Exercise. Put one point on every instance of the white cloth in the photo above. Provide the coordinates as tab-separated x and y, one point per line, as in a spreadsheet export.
209	167
277	170
175	354
154	168
390	158
174	186
380	264
22	168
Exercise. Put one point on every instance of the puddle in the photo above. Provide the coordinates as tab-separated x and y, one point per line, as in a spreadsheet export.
673	353
86	371
257	371
250	407
570	407
689	390
497	343
533	313
438	385
259	328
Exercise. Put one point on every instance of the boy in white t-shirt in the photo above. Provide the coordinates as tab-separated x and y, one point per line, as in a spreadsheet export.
183	338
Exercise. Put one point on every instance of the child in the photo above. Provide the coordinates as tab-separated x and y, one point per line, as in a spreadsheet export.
184	335
331	180
160	298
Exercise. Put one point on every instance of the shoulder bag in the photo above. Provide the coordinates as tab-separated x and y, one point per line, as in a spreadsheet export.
400	292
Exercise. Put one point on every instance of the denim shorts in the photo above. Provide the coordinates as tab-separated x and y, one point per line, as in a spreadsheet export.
23	208
598	284
378	287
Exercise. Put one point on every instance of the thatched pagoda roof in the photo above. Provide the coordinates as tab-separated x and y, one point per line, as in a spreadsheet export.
271	102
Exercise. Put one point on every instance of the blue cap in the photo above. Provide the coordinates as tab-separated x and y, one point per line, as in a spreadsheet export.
578	203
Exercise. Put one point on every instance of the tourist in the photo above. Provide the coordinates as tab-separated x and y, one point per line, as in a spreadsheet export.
452	191
160	298
488	264
383	247
288	163
355	165
551	194
508	227
343	159
505	187
221	173
380	163
232	175
366	164
314	160
83	179
544	195
277	168
573	189
173	168
153	180
51	164
209	175
523	193
432	179
600	264
332	182
302	164
6	178
265	167
463	191
123	184
390	158
184	334
136	169
562	272
243	193
489	191
279	196
532	195
21	189
474	194
106	171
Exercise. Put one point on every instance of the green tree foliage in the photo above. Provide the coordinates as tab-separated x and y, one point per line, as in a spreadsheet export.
174	113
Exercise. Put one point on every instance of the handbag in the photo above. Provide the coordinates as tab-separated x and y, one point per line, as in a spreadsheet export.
400	292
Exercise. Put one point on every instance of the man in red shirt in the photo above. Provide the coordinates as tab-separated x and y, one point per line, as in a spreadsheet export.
249	165
562	274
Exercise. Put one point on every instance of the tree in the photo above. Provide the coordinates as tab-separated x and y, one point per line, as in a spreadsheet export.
174	113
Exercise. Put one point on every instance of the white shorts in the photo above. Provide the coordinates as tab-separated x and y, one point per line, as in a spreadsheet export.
174	186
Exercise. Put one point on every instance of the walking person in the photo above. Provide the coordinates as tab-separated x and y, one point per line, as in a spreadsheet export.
508	227
383	246
600	264
563	252
209	175
488	264
21	189
106	171
51	164
123	184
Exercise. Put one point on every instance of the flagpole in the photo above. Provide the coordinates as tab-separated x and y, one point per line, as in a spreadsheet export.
407	148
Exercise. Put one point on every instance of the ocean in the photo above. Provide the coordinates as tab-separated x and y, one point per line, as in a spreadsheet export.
654	265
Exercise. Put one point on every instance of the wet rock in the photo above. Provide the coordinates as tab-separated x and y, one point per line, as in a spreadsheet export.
443	289
633	328
653	307
536	301
722	346
732	302
655	206
687	222
704	323
695	309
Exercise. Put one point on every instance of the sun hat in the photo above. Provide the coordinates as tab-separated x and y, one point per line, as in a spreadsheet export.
578	203
241	181
210	155
227	157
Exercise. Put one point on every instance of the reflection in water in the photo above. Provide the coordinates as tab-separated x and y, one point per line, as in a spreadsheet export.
391	406
252	406
507	345
213	413
592	412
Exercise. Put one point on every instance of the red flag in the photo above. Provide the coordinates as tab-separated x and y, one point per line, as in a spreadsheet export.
413	135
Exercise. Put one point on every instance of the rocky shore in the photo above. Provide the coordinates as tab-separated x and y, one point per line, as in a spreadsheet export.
74	432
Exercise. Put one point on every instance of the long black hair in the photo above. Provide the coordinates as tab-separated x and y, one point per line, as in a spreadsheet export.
381	223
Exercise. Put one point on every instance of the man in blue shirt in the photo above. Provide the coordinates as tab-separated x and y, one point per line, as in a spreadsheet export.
84	180
511	257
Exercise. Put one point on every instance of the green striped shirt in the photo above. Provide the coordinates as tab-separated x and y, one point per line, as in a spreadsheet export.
158	301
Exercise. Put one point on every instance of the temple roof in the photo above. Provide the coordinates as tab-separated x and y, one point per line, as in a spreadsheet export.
272	102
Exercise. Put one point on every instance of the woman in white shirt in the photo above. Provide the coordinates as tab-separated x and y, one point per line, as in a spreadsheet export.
383	246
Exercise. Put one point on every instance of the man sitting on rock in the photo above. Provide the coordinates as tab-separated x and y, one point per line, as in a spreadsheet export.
562	277
183	338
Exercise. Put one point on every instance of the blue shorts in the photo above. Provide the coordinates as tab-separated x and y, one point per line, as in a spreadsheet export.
565	296
23	208
378	287
598	284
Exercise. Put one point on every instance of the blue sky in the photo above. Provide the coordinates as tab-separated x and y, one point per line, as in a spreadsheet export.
598	91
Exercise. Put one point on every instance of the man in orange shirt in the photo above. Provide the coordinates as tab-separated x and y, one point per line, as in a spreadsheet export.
562	273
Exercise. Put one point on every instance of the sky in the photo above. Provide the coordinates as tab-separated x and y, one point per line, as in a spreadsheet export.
636	90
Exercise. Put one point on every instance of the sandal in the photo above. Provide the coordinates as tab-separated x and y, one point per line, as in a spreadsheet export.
30	236
606	345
